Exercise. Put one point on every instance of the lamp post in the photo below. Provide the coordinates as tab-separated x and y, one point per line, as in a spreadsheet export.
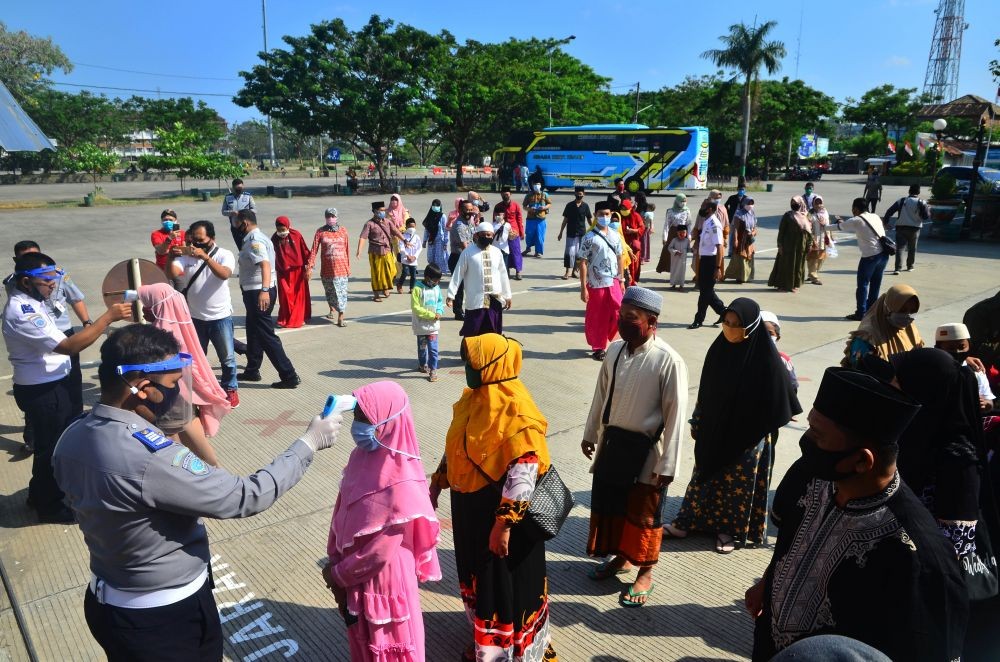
552	48
940	124
977	161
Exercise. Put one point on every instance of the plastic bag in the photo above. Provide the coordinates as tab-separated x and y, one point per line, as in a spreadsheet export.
831	250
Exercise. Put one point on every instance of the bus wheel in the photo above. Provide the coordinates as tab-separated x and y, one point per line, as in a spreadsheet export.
551	189
633	185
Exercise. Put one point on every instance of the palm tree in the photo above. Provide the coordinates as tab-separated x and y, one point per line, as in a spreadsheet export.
747	50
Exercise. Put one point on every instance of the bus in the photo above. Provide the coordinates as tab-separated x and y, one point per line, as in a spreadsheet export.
595	155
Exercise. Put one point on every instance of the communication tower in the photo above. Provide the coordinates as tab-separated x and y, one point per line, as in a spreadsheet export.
941	79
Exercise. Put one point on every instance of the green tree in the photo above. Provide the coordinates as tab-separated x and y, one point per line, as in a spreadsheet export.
188	152
747	50
785	110
24	59
83	117
88	157
883	108
995	65
366	87
156	114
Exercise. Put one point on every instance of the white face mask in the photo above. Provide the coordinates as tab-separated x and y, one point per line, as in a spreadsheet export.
282	233
537	188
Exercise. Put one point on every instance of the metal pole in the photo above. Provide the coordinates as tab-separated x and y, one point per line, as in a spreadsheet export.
977	161
270	131
636	120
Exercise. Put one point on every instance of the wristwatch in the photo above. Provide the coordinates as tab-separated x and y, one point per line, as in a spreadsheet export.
87	323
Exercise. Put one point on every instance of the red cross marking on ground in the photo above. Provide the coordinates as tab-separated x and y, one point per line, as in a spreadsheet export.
272	425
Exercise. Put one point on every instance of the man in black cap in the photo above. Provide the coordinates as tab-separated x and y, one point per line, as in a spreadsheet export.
576	218
857	552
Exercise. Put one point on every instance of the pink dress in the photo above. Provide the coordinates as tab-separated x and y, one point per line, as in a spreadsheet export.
384	533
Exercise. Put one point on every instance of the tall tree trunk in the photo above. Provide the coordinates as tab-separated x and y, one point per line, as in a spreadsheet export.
746	128
460	159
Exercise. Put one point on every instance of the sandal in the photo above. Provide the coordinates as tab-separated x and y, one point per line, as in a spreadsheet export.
602	571
724	544
377	299
631	604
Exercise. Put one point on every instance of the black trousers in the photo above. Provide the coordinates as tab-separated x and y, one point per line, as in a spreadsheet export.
75	381
871	204
186	630
707	298
460	297
261	338
48	409
906	237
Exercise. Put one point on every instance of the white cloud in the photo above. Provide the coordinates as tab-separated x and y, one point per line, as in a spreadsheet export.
896	61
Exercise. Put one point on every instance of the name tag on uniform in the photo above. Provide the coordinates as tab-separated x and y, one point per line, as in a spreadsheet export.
152	439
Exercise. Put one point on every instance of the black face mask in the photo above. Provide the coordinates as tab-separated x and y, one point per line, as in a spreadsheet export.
170	395
960	356
203	245
821	463
483	242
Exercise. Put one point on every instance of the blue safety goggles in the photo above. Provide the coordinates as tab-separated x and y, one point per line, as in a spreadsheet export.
178	362
45	273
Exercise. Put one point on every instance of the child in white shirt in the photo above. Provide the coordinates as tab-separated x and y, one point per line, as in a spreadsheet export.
409	250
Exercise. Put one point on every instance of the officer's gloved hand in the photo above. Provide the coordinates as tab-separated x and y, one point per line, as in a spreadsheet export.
322	432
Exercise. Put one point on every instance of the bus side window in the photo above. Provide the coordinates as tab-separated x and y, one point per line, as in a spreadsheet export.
636	143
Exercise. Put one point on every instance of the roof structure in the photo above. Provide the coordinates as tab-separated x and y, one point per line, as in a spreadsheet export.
970	106
18	132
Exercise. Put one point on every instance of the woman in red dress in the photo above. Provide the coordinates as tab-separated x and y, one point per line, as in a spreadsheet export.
291	253
633	227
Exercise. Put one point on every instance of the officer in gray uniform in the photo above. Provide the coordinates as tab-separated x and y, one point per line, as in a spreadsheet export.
139	498
233	203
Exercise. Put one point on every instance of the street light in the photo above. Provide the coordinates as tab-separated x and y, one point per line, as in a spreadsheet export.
552	48
940	124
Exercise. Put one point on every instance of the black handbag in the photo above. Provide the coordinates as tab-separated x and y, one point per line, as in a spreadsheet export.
623	452
549	506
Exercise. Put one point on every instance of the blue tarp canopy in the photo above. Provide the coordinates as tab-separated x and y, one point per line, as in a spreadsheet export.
18	132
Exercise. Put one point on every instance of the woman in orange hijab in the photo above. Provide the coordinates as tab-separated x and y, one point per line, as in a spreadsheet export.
494	455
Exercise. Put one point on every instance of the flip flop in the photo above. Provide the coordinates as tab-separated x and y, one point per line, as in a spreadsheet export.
674	532
603	569
628	604
377	299
724	547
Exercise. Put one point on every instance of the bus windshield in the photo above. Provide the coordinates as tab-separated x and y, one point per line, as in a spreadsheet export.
644	158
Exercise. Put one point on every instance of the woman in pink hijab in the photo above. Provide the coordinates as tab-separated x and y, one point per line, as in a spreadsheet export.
455	213
397	212
167	309
384	531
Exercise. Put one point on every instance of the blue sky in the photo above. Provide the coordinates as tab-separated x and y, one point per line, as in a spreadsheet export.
200	46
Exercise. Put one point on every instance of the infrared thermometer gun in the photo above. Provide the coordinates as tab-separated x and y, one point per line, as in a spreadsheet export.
338	404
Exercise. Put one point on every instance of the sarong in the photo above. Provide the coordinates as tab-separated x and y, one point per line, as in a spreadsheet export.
516	260
600	322
626	523
383	271
483	320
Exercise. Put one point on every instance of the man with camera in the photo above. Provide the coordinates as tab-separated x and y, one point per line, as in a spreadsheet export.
168	235
201	271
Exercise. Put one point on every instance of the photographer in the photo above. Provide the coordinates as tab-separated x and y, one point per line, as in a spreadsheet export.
167	236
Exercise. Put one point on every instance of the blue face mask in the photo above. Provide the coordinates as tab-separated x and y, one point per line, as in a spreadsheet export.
602	221
436	209
615	226
168	226
364	434
381	214
741	192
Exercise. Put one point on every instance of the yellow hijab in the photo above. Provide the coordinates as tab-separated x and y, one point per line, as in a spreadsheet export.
876	330
498	422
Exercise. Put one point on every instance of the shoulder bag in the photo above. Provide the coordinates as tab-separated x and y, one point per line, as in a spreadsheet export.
549	506
887	244
194	277
623	452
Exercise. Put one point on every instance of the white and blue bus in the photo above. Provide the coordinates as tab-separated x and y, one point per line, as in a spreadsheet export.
595	155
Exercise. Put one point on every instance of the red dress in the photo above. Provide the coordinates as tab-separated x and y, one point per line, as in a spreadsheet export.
634	240
291	254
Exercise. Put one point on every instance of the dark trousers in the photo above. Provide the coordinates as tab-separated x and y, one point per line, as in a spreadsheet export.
707	298
261	338
48	409
186	630
869	281
460	297
407	271
871	204
906	237
75	381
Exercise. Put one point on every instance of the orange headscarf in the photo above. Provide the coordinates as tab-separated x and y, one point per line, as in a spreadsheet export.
497	422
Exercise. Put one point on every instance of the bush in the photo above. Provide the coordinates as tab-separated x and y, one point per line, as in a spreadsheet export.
944	188
908	168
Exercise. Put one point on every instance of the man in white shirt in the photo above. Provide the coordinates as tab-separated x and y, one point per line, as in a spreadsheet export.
636	426
954	338
39	354
868	229
201	272
710	250
481	269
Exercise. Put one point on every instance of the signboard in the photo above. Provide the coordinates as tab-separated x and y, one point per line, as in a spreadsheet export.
333	155
822	146
807	145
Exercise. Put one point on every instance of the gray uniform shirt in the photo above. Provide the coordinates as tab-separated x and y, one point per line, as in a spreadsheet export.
60	304
233	203
139	498
257	248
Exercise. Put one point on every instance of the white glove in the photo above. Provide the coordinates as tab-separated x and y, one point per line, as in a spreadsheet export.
322	432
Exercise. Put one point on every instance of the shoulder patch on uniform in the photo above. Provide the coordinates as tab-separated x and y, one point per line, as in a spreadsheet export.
195	465
26	308
37	320
152	439
181	452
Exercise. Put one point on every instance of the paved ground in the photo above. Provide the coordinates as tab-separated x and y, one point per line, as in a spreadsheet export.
269	590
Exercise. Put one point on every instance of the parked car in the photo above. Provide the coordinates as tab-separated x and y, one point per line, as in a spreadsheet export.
963	175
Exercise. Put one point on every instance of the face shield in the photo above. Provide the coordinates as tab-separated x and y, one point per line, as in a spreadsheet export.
171	404
49	274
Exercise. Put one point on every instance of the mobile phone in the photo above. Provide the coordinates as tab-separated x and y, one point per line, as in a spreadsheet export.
187	250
